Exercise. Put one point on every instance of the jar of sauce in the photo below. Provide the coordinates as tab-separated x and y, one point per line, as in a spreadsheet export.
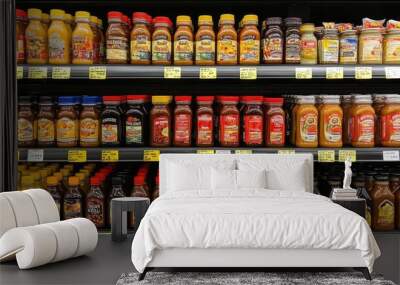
292	40
73	207
391	47
204	132
82	40
253	121
102	41
390	121
20	35
117	191
272	45
89	125
183	121
227	50
161	41
53	187
26	122
160	121
370	47
136	121
205	41
66	122
330	122
329	47
116	40
95	204
362	122
46	122
308	44
183	41
382	205
249	41
141	39
346	104
36	38
229	122
306	122
59	39
394	182
274	122
111	124
348	47
378	102
96	39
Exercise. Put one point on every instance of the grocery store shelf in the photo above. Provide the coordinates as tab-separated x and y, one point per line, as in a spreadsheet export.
209	72
126	154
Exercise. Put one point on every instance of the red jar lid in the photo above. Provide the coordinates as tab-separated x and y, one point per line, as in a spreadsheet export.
255	99
205	99
114	15
183	99
137	16
225	99
138	180
20	13
111	98
162	20
125	19
143	98
268	100
94	180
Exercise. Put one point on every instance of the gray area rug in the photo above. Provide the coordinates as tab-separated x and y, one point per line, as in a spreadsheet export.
243	278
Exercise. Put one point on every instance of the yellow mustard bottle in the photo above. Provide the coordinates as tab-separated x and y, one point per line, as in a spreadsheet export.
36	38
308	44
59	38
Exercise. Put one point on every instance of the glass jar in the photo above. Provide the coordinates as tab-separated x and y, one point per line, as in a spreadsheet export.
46	128
95	204
292	40
391	47
272	45
362	122
89	122
160	122
204	133
205	41
73	203
26	122
378	102
136	121
111	121
227	46
59	40
141	39
252	121
183	121
183	41
346	104
67	122
308	45
53	187
330	122
36	38
348	47
370	46
328	47
20	35
82	39
116	41
306	126
229	122
383	210
390	121
162	41
274	122
249	41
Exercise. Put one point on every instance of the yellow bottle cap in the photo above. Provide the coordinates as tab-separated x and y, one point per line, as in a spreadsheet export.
73	181
161	99
68	18
205	19
307	28
34	13
183	20
227	19
82	15
93	19
250	19
27	180
58	175
99	22
57	14
45	18
52	180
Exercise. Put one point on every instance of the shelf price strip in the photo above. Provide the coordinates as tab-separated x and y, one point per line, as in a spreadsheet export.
77	156
60	72
345	154
243	151
248	73
392	72
286	151
110	155
363	72
391	155
20	72
97	72
37	72
326	156
151	155
35	155
334	73
205	151
172	72
304	73
208	73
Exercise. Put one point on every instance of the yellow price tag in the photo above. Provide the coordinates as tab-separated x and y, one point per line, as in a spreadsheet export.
37	72
205	151
326	156
151	155
172	72
97	72
392	72
248	73
20	72
61	72
334	73
110	155
286	151
345	154
77	156
208	72
243	151
363	72
303	73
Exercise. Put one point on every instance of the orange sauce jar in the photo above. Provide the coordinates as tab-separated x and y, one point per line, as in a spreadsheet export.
205	41
183	41
82	39
362	122
330	122
306	122
141	39
227	50
390	121
161	41
249	41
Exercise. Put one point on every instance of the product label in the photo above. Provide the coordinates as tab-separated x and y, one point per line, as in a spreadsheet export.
109	132
183	126
95	211
160	130
20	53
204	129
348	50
249	49
141	48
253	129
292	48
57	46
117	48
229	129
273	49
89	130
392	49
330	50
72	208
82	47
36	47
308	49
390	127
133	130
25	130
276	130
205	49
46	130
332	127
66	130
226	50
371	49
183	48
385	213
161	48
363	127
309	127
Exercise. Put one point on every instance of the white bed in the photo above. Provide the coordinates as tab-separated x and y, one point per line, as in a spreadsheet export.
201	220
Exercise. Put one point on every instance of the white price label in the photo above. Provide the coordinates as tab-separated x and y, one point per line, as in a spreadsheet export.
303	72
35	155
334	73
391	155
392	72
223	151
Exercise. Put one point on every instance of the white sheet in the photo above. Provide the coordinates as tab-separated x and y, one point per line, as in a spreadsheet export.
250	219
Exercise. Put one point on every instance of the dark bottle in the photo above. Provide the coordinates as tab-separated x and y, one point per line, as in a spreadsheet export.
272	44
46	122
53	187
136	121
73	207
117	191
111	125
95	204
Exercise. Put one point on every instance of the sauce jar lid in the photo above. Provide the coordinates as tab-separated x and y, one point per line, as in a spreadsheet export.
89	100
252	99
208	99
381	177
82	15
140	17
274	21
227	19
205	19
57	14
73	181
392	98
226	99
137	98
183	99
109	99
307	27
34	13
138	180
125	19
183	20
250	19
114	15
162	20
94	181
293	21
20	13
269	100
66	100
51	180
161	99
363	99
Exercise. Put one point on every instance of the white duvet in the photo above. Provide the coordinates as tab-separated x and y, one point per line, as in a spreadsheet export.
250	219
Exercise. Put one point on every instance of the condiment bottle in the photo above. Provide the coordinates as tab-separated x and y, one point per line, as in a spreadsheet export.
330	122
378	102
183	121
272	45
370	46
205	41
328	47
306	130
59	38
140	187
204	132
382	204
73	207
95	204
346	104
66	122
96	39
362	122
390	121
36	38
82	40
117	191
136	121
292	40
274	122
227	46
308	44
140	39
46	122
252	121
161	41
249	41
348	47
102	41
391	46
116	40
89	123
20	35
183	41
229	122
26	122
45	20
160	121
53	187
111	127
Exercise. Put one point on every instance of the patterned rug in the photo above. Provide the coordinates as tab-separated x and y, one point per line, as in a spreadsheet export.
243	278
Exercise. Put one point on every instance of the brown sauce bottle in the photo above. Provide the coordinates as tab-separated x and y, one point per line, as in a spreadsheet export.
46	122
383	209
26	122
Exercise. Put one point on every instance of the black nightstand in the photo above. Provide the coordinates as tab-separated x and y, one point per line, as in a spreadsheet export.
356	205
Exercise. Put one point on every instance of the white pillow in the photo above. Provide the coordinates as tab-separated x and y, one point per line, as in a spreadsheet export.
182	177
251	178
223	179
